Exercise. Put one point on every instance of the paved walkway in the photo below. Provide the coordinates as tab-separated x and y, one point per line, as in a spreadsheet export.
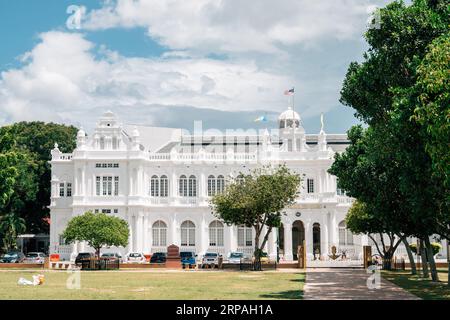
349	284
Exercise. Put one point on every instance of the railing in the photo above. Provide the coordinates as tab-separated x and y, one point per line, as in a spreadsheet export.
188	249
63	249
62	157
218	250
248	251
159	200
202	156
188	200
158	249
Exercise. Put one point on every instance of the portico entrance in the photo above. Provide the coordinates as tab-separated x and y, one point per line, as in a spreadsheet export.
298	236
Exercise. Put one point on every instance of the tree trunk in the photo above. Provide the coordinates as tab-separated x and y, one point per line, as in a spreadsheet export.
387	260
434	273
412	263
97	252
448	262
257	254
423	255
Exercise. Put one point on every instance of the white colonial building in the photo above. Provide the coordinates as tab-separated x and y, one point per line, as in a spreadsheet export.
160	181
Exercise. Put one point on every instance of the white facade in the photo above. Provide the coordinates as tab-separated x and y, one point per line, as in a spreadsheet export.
160	181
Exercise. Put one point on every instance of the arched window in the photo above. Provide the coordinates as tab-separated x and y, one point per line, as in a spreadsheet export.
211	186
345	235
220	184
154	187
240	178
164	186
182	186
245	236
216	234
192	186
188	234
159	231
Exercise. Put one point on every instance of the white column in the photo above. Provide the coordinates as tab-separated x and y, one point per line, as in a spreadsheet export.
130	236
174	186
288	241
272	244
324	238
202	189
146	245
139	227
309	239
83	180
174	235
204	237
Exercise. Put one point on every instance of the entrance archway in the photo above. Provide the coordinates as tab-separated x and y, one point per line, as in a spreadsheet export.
316	239
298	236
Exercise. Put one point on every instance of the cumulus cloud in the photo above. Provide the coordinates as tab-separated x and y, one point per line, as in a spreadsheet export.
234	26
66	78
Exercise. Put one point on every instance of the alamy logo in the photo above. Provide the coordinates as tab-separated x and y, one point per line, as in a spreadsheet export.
74	280
374	281
76	14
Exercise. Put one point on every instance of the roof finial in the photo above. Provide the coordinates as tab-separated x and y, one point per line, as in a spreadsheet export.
321	123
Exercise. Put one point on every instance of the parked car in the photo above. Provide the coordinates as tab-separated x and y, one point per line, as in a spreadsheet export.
236	257
188	259
112	256
135	257
158	257
210	259
35	257
12	257
83	256
264	258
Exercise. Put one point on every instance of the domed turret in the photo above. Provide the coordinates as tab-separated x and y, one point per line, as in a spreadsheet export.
289	119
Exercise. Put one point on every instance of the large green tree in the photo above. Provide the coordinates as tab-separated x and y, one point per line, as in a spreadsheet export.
98	230
11	226
256	200
376	88
32	142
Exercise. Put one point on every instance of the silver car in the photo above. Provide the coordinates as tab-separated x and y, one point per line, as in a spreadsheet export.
210	259
35	257
236	257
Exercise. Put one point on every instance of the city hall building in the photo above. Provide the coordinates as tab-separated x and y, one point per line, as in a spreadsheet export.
160	180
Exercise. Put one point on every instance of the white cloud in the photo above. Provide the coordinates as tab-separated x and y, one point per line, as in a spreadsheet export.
63	79
234	26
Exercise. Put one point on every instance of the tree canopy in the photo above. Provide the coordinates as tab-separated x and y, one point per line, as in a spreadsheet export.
98	230
24	154
257	199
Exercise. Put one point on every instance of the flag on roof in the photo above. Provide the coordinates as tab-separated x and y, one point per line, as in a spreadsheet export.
289	92
261	119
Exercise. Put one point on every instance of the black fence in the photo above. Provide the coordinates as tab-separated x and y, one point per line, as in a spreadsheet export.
249	266
100	264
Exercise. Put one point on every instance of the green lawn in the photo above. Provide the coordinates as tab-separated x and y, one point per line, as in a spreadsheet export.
423	288
157	285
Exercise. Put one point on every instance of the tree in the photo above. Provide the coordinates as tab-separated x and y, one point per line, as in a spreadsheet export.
361	220
256	200
31	190
379	89
11	226
433	110
98	230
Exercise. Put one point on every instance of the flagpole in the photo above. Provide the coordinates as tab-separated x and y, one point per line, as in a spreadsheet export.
294	144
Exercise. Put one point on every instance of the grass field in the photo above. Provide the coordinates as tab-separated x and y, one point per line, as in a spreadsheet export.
188	285
423	288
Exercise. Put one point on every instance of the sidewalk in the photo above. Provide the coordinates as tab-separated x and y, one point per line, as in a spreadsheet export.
349	284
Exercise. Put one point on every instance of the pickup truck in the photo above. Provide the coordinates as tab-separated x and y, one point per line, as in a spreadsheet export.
188	259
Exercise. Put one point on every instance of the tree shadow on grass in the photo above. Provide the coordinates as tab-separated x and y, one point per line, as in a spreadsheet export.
289	294
285	295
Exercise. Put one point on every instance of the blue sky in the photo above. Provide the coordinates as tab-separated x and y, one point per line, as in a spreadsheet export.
168	63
